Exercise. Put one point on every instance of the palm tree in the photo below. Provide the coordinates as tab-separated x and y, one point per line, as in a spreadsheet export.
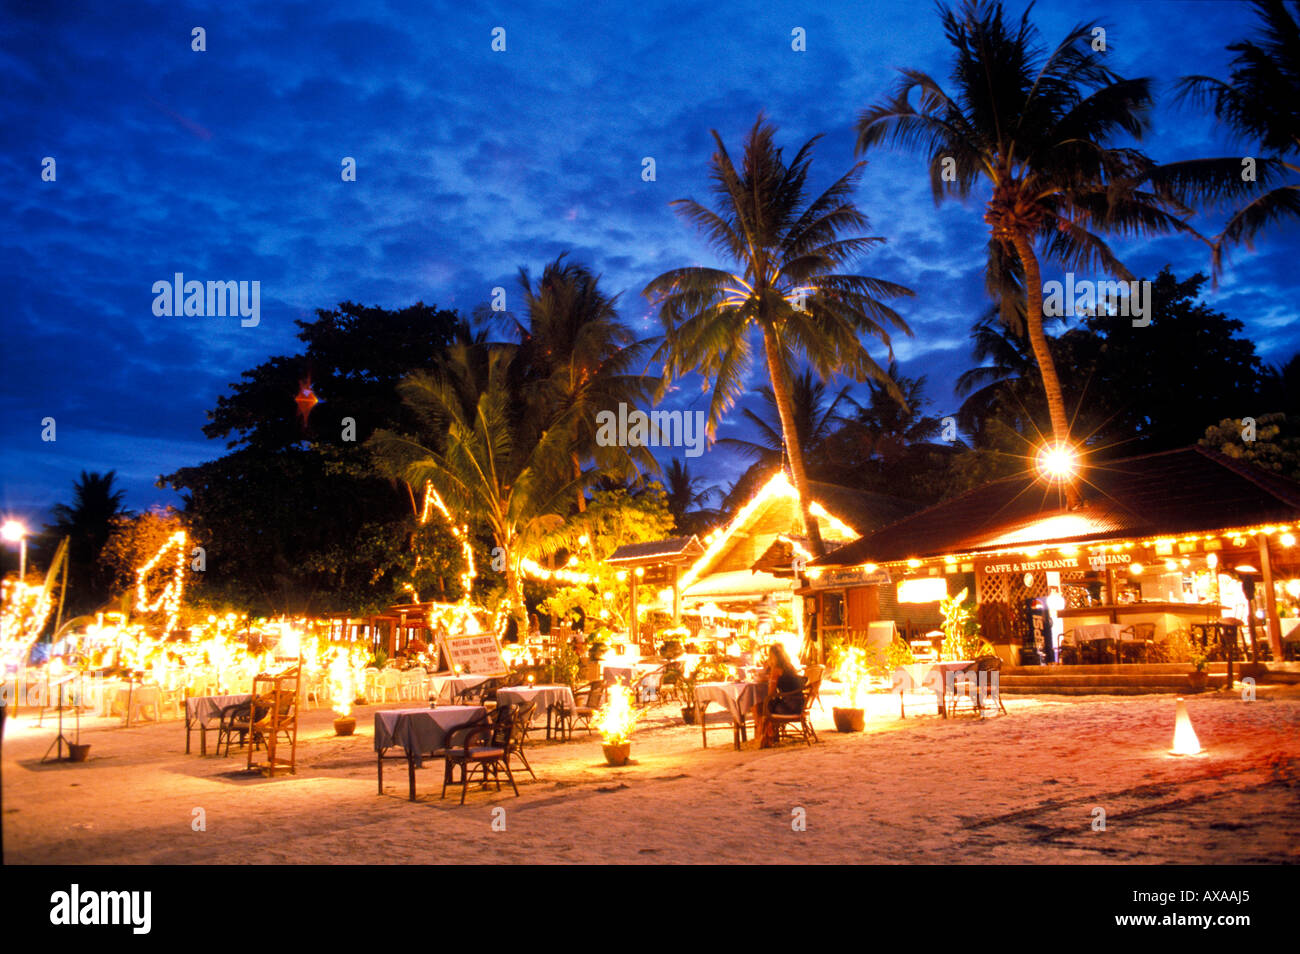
504	457
787	252
88	522
579	357
815	417
1038	126
1259	104
687	499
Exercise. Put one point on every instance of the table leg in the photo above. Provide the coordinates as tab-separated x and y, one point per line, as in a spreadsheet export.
410	769
380	761
187	735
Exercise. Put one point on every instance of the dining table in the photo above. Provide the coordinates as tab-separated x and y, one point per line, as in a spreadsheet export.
201	710
419	733
737	699
555	699
445	688
936	676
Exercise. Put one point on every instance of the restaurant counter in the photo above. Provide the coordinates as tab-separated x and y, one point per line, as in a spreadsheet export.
1166	616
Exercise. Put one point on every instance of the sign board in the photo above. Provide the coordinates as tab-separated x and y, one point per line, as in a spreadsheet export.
477	653
853	574
1092	561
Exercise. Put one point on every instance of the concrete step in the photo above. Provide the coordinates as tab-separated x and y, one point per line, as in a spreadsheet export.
1165	680
1121	669
1050	689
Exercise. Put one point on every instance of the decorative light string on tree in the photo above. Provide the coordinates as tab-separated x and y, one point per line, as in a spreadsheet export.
431	501
168	599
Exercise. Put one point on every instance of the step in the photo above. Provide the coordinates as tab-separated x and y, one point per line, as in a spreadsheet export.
1169	680
1055	690
1122	669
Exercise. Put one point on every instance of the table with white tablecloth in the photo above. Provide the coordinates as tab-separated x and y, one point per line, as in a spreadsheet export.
736	698
419	732
934	676
446	688
553	700
201	710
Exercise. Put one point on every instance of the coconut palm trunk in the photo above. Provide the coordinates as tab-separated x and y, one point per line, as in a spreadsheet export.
1038	339
785	407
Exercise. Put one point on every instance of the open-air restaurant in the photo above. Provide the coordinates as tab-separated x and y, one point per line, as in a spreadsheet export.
1180	565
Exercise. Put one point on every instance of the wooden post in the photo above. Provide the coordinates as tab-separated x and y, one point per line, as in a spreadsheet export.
677	596
1273	624
634	636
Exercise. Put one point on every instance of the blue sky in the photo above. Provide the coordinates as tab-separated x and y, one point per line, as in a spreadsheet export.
225	165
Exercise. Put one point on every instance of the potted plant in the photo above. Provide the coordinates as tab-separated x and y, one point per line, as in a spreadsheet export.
1199	677
852	673
598	646
688	696
616	721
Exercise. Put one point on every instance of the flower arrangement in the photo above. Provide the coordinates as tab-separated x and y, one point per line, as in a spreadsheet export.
961	633
852	671
617	718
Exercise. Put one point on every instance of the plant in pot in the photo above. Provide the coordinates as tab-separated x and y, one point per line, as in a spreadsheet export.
342	692
688	697
598	646
1199	677
852	673
615	721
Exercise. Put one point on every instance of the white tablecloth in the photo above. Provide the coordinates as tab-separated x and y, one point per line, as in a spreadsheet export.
199	710
445	688
546	697
738	698
421	731
1091	631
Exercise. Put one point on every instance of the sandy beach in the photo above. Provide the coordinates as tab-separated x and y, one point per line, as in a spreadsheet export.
1019	788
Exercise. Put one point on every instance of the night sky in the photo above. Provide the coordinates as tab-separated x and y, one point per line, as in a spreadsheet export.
225	165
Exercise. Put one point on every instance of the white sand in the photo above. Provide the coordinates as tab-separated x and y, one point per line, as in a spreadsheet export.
1015	788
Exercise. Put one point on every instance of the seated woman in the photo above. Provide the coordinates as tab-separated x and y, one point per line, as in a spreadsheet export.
784	693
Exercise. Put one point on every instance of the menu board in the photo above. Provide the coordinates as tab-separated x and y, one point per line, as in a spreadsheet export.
477	653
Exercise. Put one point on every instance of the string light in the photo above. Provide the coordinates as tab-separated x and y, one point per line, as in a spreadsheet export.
169	598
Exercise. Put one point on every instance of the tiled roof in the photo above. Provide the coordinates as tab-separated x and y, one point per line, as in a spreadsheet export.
657	549
1166	494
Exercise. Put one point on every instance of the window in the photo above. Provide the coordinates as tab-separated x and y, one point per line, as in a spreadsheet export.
832	610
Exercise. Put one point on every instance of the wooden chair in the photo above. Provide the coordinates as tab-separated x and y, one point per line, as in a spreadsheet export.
645	691
800	722
812	676
670	685
1137	642
586	703
239	719
524	717
486	749
978	683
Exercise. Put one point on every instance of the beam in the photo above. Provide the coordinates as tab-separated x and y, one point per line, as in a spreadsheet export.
1270	601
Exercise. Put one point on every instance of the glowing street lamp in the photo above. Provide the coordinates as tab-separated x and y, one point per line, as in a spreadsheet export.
1058	462
15	532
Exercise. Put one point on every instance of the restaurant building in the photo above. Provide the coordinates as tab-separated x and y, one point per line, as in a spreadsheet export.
1186	541
751	561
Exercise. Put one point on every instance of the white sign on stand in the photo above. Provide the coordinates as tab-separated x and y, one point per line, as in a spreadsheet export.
476	654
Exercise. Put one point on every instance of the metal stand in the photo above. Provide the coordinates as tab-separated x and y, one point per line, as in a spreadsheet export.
61	739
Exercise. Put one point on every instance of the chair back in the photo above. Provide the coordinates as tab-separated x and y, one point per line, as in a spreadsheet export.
523	719
592	695
504	722
811	689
